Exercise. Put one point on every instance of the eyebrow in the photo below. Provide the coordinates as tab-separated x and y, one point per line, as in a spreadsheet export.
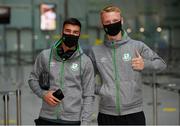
73	31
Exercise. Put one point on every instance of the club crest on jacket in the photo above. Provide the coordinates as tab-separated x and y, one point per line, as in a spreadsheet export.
126	57
74	67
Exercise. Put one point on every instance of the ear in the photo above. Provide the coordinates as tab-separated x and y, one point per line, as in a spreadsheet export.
101	24
62	31
122	20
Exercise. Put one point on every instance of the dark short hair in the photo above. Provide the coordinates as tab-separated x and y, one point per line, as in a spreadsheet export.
72	21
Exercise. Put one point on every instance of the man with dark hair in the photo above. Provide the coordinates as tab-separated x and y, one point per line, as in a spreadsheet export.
68	87
120	62
72	21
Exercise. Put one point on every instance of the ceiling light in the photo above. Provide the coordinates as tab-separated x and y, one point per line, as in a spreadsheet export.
141	29
159	29
172	85
129	30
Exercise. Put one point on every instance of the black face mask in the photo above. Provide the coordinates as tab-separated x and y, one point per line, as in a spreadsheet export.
65	55
113	29
70	40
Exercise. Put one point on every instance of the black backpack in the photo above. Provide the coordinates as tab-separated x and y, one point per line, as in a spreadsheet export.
44	80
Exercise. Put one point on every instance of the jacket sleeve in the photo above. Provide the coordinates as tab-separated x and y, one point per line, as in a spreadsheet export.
90	53
152	62
34	76
87	93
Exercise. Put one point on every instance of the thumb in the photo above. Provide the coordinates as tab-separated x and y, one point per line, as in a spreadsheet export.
137	54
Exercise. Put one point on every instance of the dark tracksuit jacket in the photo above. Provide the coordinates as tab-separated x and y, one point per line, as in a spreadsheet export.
75	77
120	90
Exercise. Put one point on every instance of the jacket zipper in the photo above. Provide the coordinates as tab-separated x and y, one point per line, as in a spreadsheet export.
117	83
58	109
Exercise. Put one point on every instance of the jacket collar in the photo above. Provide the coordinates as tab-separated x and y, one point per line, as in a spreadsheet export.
76	54
112	44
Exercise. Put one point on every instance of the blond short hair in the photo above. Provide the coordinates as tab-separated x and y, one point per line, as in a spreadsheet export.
110	8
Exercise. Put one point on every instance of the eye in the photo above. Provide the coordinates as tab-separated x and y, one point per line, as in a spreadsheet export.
115	20
76	33
107	22
67	31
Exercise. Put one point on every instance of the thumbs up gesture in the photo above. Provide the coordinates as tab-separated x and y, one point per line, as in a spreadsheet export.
137	62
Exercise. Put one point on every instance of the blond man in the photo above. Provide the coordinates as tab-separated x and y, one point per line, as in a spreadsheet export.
120	61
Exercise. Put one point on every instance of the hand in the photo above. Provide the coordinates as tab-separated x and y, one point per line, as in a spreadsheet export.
50	99
138	62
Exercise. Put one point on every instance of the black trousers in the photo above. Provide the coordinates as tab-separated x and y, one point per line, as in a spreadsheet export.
44	121
130	119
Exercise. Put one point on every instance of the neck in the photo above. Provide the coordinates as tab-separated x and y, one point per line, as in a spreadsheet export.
65	48
116	37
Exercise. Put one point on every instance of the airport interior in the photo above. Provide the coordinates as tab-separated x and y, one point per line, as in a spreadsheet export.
23	37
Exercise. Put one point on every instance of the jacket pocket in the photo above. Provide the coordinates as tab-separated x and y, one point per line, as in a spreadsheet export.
107	96
48	109
131	92
72	102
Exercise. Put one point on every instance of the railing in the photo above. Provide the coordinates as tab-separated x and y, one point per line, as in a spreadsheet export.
6	105
150	79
